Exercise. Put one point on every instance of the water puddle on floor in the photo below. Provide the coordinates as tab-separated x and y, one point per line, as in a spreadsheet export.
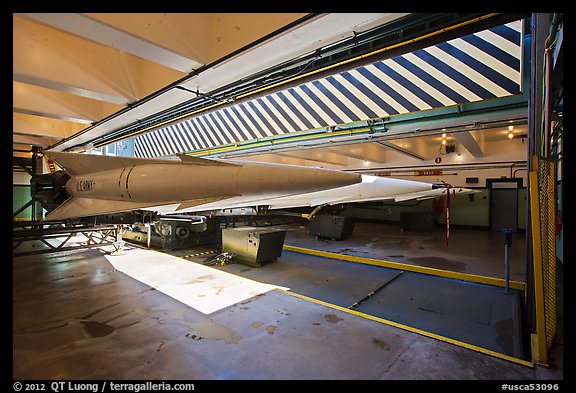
97	329
210	330
332	318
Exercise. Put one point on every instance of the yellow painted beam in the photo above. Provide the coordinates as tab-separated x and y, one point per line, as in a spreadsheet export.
499	282
277	141
541	355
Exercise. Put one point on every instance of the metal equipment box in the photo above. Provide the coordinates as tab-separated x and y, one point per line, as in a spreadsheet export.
417	221
333	227
253	246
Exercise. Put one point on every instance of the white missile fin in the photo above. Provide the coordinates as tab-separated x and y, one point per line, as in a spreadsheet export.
202	161
201	201
437	192
328	201
84	207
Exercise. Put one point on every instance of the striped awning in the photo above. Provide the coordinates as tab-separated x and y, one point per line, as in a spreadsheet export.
476	67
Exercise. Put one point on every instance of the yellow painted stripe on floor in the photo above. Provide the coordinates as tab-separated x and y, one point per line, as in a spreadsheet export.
498	282
199	254
410	329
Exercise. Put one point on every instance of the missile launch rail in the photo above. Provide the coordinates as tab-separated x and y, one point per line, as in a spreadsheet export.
43	237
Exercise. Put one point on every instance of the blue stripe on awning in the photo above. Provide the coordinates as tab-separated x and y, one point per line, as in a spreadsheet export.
482	69
447	74
229	120
332	98
169	132
454	74
429	79
244	123
190	137
193	132
243	110
262	118
207	138
353	98
370	94
335	118
309	113
433	102
396	97
282	112
294	110
279	126
513	35
499	54
213	124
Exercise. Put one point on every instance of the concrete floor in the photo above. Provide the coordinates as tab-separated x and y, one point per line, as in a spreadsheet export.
472	251
76	317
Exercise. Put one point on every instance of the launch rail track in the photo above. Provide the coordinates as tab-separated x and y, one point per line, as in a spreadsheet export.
60	236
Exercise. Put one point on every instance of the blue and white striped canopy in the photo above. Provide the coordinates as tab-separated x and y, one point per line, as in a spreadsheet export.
476	67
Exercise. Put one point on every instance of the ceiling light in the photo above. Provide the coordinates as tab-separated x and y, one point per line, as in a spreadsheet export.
510	134
443	141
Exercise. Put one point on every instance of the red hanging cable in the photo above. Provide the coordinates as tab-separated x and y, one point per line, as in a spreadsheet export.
548	63
448	186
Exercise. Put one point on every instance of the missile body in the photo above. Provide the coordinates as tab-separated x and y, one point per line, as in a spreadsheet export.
107	184
372	188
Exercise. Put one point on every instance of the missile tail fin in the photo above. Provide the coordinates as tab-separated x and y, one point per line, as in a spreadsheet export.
79	164
84	207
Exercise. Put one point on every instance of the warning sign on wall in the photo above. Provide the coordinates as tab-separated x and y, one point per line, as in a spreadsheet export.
430	172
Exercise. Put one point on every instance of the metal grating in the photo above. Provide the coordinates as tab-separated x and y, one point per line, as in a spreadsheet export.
547	198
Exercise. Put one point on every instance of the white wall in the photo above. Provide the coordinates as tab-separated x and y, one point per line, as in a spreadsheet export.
21	178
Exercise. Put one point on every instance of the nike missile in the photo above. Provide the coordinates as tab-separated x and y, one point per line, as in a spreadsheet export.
371	188
110	184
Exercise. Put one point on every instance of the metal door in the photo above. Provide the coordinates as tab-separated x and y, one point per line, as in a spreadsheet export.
504	209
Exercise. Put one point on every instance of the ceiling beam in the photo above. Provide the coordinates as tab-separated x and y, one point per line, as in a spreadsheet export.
276	158
313	156
401	150
92	29
58	60
467	140
43	126
360	151
53	138
57	105
32	140
344	153
320	31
